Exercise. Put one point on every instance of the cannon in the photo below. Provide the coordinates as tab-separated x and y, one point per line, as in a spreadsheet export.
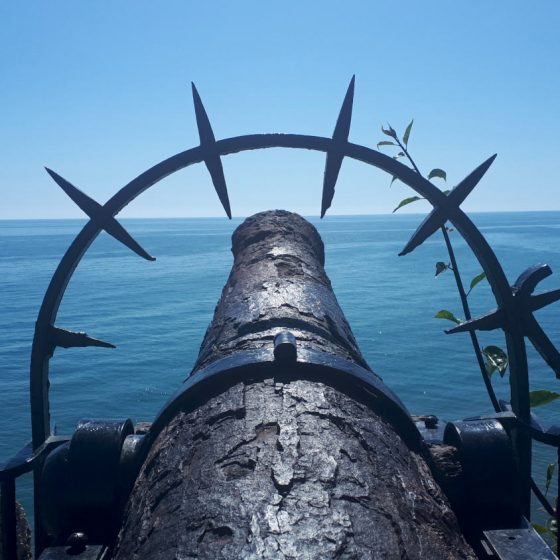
283	443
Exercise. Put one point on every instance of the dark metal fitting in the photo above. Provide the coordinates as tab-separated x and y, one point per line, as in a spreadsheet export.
489	467
80	485
285	347
431	422
77	543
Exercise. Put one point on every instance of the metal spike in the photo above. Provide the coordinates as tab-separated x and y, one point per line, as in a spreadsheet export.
432	222
542	300
69	339
211	158
528	280
214	166
465	187
494	320
115	229
97	213
544	346
335	157
440	214
86	204
205	132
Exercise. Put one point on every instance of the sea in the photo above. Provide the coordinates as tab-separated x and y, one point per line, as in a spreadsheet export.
156	313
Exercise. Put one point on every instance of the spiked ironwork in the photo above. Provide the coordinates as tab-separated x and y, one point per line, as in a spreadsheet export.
98	213
335	154
519	315
210	148
211	154
69	339
515	305
441	213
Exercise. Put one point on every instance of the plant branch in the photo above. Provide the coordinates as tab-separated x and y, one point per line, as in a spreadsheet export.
553	512
468	317
463	297
401	146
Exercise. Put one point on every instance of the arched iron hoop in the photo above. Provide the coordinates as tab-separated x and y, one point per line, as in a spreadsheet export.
43	346
445	208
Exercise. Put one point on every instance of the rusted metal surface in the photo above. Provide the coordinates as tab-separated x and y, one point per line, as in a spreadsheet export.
94	552
286	470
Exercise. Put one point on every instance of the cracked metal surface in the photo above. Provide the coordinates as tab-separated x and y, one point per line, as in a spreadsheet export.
297	470
277	282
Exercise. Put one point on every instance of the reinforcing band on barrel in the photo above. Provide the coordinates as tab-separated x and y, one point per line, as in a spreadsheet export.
314	365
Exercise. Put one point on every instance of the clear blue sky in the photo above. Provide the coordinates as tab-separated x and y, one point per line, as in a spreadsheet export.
100	91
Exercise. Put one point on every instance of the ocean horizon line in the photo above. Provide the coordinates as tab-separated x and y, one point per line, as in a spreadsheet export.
313	216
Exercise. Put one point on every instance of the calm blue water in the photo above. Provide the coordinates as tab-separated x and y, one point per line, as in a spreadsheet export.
157	313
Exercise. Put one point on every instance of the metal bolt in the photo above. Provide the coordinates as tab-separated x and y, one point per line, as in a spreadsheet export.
431	422
77	543
285	347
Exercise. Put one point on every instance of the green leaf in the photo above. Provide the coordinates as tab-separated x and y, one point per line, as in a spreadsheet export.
407	133
496	360
542	396
438	173
385	143
540	529
549	474
389	131
441	267
478	278
444	314
406	200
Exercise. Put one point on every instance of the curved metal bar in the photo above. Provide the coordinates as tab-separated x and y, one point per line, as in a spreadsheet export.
42	343
346	376
27	458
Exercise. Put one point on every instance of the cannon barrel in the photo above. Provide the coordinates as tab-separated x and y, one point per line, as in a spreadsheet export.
283	443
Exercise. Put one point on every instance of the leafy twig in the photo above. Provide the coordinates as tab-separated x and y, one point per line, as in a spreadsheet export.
403	145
